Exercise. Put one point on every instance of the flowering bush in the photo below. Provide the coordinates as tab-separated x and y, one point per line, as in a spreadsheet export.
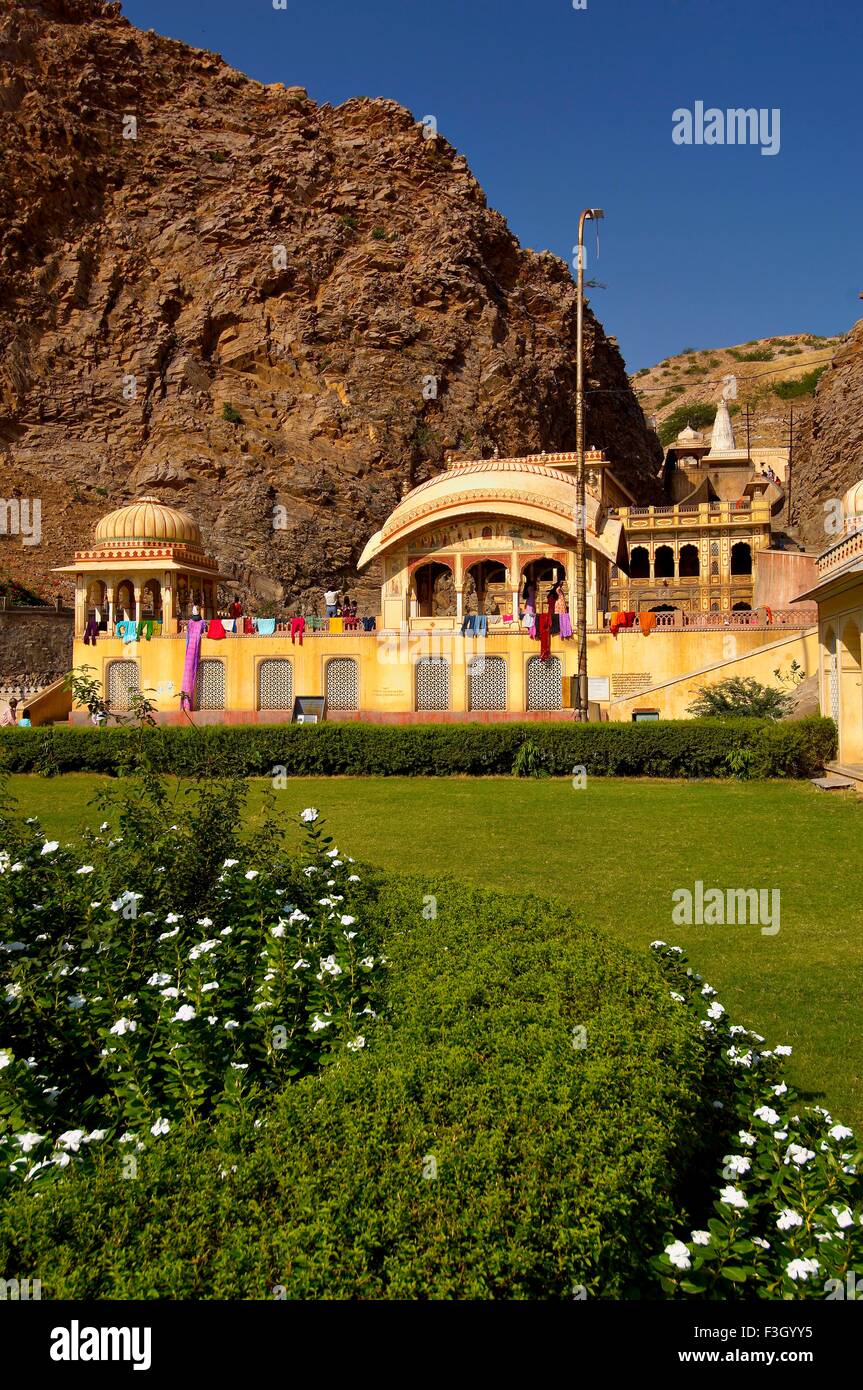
788	1214
138	989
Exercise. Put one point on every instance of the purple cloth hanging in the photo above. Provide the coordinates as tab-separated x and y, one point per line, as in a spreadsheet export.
194	633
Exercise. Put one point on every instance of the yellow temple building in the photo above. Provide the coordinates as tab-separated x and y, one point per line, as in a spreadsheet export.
451	639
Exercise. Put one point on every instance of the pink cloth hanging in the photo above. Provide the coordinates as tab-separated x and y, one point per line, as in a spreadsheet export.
194	633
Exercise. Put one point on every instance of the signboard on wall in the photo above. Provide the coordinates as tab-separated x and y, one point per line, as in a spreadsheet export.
598	688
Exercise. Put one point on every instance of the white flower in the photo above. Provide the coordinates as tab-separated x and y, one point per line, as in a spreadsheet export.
5	1058
213	984
679	998
297	916
797	1154
184	1014
171	918
347	921
252	873
701	1237
302	964
71	1139
166	935
28	1141
736	1029
124	1025
50	846
357	1043
758	1240
787	1220
738	1163
780	1089
801	1269
312	869
202	948
76	1001
240	1066
678	1253
278	931
707	991
94	1136
782	1051
318	1023
715	1011
367	962
331	853
160	1127
733	1197
353	878
85	869
211	1019
232	1023
160	977
309	815
330	966
655	945
844	1218
170	993
205	921
841	1132
104	825
746	1138
226	931
229	863
764	1113
780	1134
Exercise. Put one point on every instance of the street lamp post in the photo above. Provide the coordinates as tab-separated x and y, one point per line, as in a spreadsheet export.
581	527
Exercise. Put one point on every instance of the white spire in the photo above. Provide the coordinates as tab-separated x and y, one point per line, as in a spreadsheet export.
722	438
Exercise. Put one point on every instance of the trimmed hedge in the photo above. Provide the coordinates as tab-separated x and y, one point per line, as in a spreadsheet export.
475	1149
664	748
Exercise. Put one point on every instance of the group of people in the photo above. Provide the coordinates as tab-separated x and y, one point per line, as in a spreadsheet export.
341	606
555	606
10	716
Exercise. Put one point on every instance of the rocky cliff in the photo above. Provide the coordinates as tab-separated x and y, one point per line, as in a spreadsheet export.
258	308
829	458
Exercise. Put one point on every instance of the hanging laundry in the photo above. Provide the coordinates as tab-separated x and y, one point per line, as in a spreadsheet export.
248	625
194	633
544	636
647	622
298	627
265	627
215	629
369	624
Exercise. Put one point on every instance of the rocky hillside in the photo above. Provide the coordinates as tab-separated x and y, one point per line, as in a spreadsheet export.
242	301
830	457
772	374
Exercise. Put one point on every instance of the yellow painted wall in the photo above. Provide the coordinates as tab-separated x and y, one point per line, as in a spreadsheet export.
671	664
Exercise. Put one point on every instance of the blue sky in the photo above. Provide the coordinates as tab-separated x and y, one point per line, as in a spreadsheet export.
557	109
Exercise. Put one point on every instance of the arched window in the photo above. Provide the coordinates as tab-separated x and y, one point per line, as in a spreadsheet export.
343	683
276	685
544	683
486	682
486	589
432	683
741	608
741	558
125	599
690	563
663	562
639	562
434	586
151	599
210	684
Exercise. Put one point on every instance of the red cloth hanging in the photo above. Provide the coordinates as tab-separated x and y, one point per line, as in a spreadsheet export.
544	636
215	629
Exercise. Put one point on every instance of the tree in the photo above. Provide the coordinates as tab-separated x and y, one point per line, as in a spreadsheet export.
740	697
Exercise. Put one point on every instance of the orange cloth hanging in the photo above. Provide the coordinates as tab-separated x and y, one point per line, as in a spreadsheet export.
648	622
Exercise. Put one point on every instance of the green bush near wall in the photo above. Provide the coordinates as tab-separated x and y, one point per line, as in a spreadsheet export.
672	748
529	1116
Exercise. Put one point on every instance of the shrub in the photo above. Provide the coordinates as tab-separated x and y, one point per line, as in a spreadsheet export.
524	1124
138	995
665	748
379	234
803	386
788	1218
698	414
741	697
230	414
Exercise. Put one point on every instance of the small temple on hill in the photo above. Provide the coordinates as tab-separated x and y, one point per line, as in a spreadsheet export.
470	564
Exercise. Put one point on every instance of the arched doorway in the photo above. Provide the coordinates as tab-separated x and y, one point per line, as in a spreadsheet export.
741	558
125	599
663	562
741	608
486	589
151	600
97	603
690	562
850	696
639	562
434	590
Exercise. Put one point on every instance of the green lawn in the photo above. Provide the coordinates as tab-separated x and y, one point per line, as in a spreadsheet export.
616	851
